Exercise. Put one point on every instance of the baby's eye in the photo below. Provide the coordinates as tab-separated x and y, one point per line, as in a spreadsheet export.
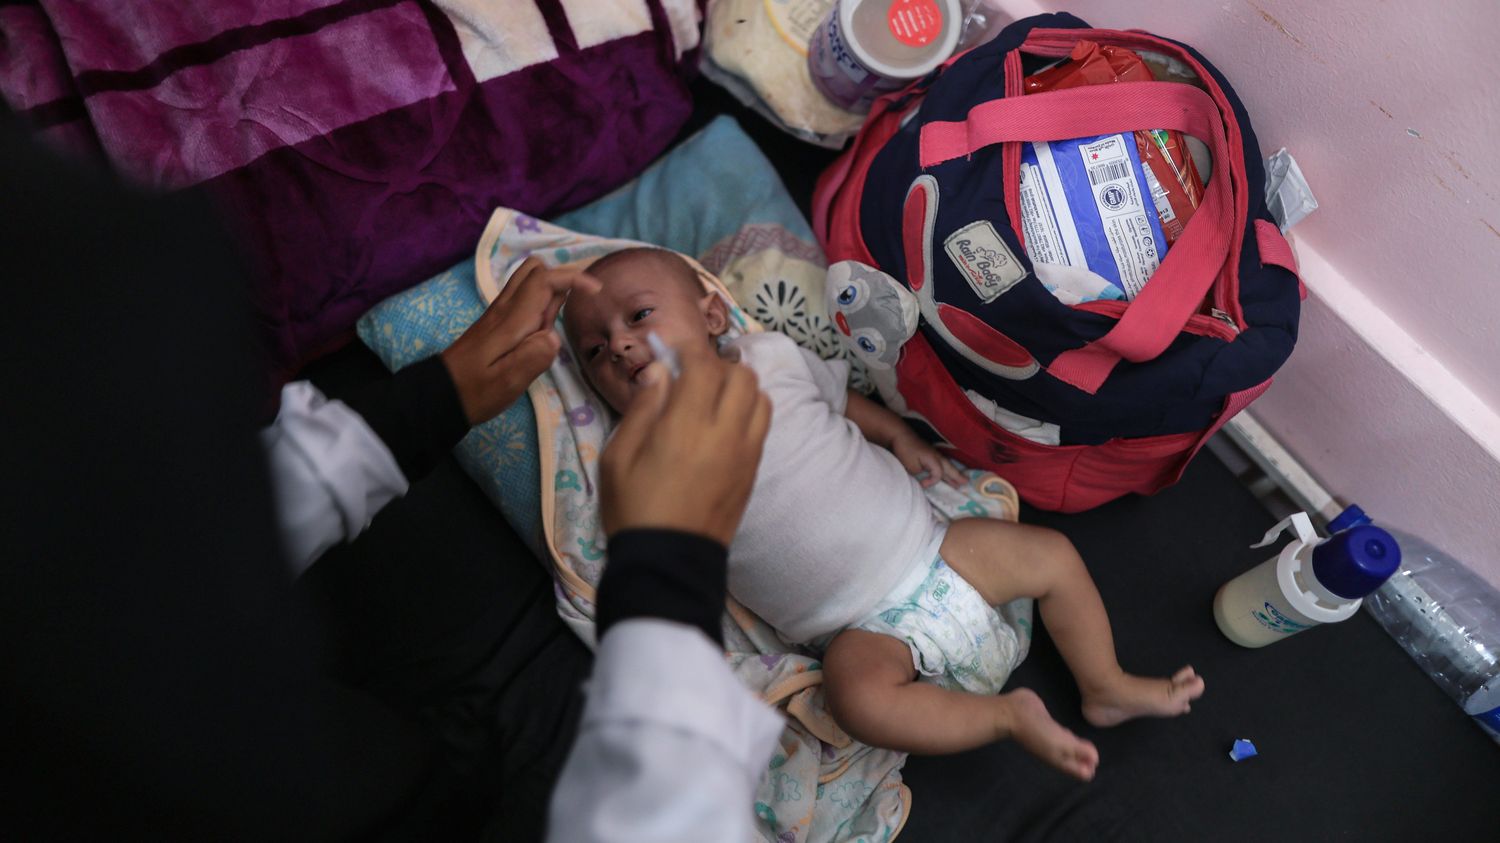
848	294
593	351
641	314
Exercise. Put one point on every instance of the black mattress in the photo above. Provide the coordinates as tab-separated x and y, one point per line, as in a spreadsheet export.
440	610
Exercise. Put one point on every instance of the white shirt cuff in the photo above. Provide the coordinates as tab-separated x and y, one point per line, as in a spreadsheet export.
330	472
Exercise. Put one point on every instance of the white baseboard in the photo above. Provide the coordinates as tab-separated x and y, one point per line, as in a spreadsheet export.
1281	467
1387	338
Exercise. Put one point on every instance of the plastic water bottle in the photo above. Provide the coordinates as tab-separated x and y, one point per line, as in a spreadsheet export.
1309	582
1446	618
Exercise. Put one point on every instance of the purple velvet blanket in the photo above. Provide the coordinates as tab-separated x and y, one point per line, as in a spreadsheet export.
355	147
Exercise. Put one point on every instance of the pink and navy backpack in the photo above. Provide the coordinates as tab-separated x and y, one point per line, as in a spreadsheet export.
927	200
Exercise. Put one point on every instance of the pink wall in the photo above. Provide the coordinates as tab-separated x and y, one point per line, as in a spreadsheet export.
1372	437
1393	112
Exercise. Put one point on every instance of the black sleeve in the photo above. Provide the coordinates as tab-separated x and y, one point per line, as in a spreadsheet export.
665	574
417	414
159	676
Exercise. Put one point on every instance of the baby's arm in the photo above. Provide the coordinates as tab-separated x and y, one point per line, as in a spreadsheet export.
886	429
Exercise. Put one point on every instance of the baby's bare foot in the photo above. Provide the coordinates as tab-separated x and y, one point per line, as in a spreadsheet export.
1034	728
1137	696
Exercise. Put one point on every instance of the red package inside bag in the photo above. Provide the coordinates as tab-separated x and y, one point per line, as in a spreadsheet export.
1176	186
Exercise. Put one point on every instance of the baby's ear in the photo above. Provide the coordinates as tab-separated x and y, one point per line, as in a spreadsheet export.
715	313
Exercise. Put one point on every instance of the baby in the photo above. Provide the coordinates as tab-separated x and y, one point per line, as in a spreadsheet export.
840	549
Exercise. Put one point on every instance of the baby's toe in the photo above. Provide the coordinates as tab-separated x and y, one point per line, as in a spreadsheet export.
1187	684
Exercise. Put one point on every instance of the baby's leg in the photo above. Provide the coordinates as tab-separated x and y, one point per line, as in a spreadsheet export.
1004	561
873	694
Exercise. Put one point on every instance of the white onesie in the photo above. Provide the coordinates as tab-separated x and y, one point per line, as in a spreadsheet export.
834	521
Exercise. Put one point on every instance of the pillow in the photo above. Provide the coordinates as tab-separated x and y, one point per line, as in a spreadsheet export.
356	148
715	197
757	51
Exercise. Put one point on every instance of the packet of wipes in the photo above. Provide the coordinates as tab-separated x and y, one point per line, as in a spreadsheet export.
1084	205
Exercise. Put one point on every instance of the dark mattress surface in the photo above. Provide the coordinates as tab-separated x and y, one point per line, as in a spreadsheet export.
441	610
1355	742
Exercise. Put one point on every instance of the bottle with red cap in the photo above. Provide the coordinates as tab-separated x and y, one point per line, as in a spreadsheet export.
1311	581
867	48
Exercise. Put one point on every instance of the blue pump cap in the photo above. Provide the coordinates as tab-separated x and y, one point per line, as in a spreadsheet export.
1352	516
1356	561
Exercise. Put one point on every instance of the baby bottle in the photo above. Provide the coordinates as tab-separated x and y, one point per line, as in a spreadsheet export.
1308	583
865	48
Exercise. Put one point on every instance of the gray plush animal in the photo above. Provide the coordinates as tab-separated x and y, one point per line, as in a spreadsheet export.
875	314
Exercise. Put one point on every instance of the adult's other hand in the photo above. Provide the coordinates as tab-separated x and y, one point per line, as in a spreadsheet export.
512	342
685	455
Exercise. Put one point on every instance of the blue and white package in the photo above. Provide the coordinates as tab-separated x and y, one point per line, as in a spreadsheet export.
1083	204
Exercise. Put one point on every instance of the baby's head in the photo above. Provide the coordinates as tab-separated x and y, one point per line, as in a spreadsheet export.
643	290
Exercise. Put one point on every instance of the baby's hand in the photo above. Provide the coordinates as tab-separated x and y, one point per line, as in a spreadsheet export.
917	457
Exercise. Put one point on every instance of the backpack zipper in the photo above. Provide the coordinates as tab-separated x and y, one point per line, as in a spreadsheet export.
1216	323
1225	318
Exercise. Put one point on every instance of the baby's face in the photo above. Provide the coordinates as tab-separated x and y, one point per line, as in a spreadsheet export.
608	329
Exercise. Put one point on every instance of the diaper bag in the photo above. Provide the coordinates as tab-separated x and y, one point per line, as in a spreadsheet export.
929	195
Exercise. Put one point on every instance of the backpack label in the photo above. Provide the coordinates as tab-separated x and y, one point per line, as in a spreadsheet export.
986	262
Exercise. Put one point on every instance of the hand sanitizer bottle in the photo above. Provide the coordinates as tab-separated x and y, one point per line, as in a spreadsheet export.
1308	583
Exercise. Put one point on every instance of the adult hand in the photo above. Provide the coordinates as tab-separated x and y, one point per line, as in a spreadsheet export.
512	342
685	454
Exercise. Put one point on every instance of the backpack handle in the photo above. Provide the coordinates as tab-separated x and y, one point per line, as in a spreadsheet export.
1187	272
